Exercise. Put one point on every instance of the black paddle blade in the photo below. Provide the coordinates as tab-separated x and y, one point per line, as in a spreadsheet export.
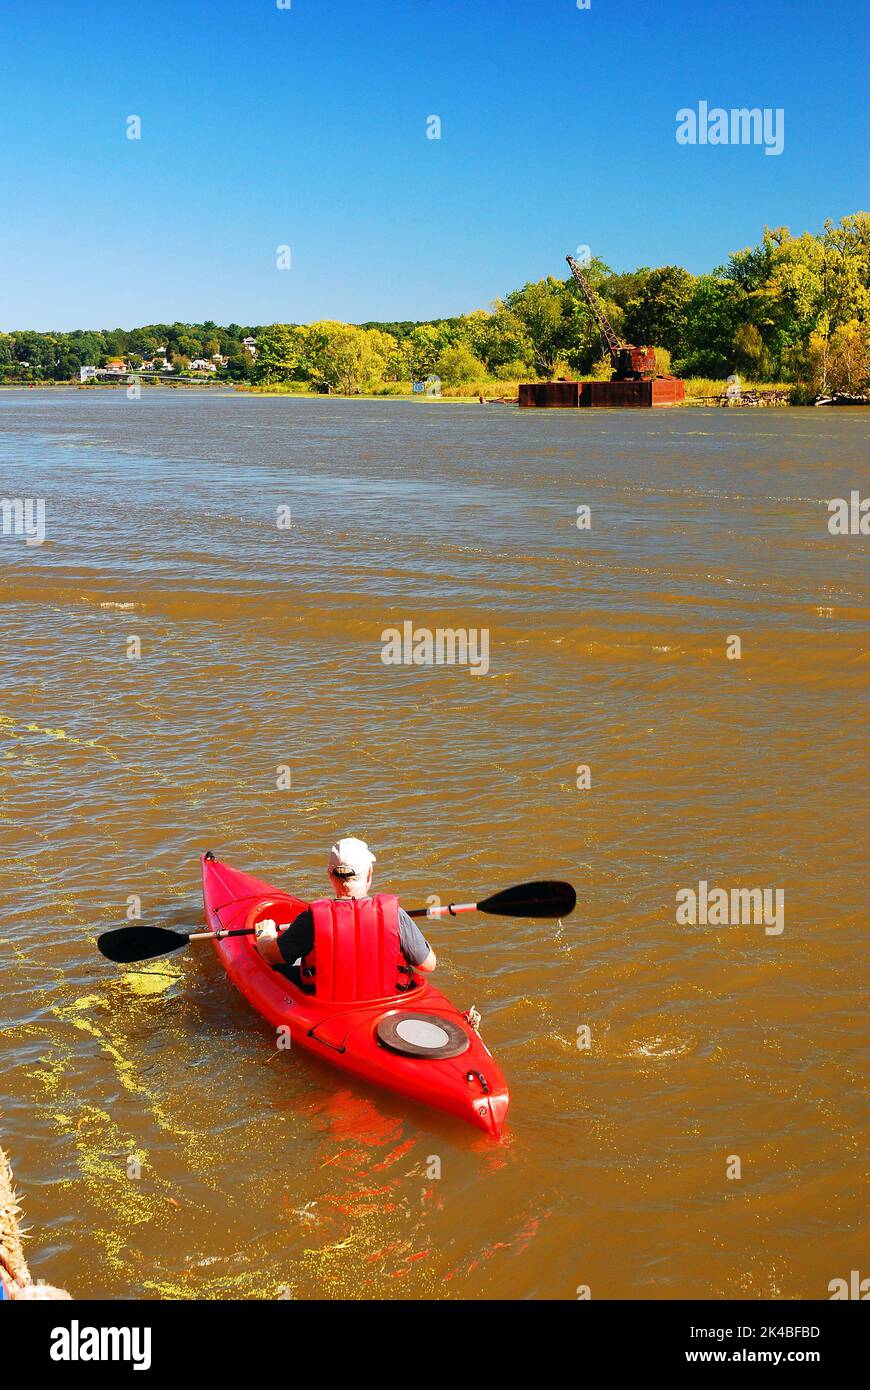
546	899
127	944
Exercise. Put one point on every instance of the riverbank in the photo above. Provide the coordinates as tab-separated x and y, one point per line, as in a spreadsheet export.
699	391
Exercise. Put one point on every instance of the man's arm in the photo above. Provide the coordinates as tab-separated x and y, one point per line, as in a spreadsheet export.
415	947
292	943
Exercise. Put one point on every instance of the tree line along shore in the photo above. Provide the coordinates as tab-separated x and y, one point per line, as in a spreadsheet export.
789	316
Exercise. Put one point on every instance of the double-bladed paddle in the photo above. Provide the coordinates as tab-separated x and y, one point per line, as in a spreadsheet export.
545	899
125	945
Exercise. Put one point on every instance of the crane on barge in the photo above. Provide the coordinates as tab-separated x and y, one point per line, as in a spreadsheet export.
629	363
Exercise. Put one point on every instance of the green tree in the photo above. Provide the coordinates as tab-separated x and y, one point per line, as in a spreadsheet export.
458	364
398	364
240	367
424	343
750	355
839	362
546	312
280	355
623	289
659	313
500	340
714	312
846	269
382	348
7	356
343	358
89	348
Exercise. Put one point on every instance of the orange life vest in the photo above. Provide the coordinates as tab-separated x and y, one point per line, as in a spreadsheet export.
357	950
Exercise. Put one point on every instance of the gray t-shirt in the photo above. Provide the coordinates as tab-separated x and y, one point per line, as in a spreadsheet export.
415	947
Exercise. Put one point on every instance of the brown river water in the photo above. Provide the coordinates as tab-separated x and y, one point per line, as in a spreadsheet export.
264	1173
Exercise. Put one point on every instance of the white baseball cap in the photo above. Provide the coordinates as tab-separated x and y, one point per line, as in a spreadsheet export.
351	857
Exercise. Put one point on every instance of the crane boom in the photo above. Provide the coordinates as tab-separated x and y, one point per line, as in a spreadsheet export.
629	363
611	341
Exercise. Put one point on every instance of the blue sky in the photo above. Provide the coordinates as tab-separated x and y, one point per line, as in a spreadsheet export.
307	127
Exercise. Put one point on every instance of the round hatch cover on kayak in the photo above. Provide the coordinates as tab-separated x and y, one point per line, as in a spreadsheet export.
422	1035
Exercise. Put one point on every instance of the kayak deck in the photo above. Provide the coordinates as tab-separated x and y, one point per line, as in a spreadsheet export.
470	1086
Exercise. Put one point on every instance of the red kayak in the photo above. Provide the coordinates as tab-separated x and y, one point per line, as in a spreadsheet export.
384	1041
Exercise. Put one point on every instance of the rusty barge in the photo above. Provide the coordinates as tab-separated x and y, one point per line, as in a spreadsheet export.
656	391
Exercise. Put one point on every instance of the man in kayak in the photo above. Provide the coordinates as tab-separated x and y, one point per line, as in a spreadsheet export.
350	874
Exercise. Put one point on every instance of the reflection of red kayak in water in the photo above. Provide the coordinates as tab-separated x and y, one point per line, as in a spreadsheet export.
468	1084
